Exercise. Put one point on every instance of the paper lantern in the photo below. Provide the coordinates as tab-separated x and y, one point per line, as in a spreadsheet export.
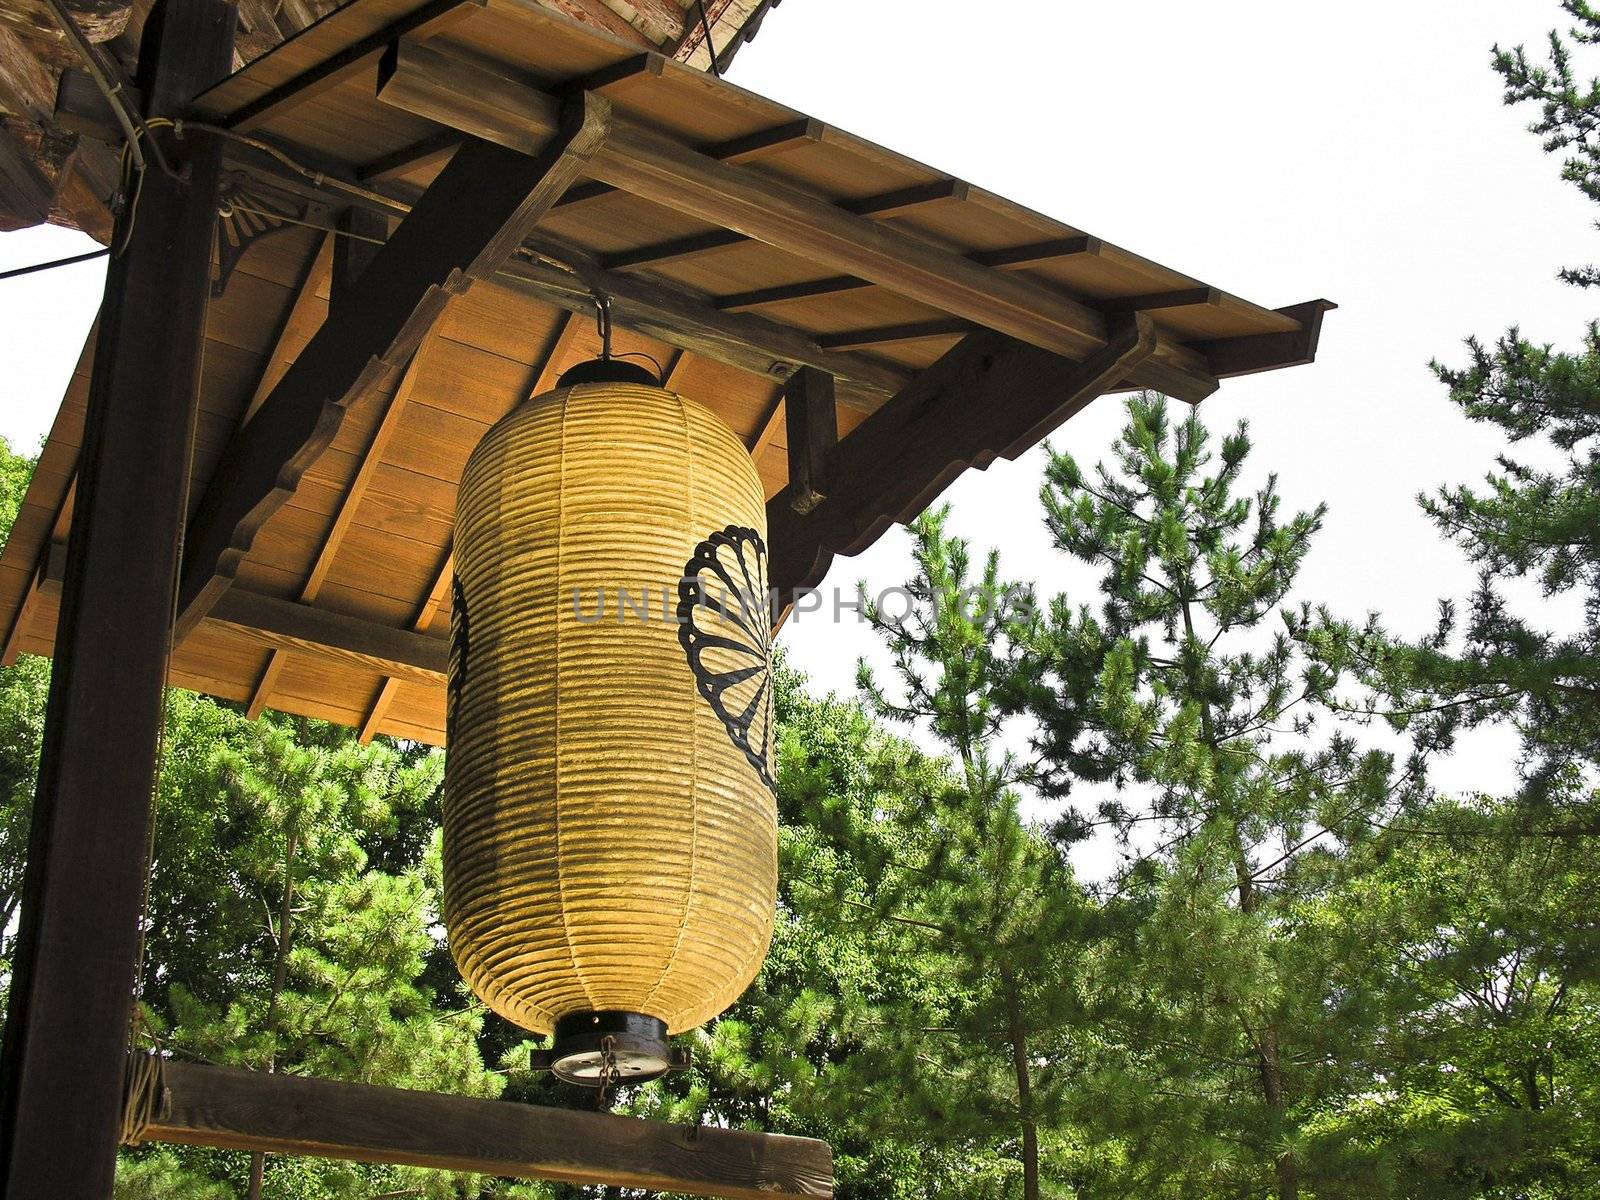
610	828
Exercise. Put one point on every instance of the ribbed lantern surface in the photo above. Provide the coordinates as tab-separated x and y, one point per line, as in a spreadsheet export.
610	832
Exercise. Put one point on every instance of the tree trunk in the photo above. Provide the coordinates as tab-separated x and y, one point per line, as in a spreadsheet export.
1019	1062
280	977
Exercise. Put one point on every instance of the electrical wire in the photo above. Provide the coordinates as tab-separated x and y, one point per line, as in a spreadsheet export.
59	262
711	48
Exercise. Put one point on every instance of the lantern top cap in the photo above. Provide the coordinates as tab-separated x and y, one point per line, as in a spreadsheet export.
607	370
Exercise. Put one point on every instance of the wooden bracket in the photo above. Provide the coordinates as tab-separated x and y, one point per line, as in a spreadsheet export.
812	425
990	397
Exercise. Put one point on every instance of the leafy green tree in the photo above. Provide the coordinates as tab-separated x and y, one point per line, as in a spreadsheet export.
1486	1062
1216	1016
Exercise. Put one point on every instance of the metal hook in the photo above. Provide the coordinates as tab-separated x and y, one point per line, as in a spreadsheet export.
602	308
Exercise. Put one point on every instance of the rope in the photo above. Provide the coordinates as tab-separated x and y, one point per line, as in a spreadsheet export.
143	1096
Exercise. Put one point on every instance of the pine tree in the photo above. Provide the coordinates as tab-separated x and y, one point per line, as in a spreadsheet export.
1492	660
1214	1022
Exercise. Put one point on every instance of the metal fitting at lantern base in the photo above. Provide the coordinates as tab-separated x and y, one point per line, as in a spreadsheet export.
636	1045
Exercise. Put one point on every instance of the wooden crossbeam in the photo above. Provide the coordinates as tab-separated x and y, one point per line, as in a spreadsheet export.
465	226
989	397
285	625
465	95
289	1114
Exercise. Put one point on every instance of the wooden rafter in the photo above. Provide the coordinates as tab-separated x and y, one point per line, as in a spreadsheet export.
462	229
289	1114
989	397
306	314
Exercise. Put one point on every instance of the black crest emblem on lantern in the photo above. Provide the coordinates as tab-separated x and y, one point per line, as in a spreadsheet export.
725	627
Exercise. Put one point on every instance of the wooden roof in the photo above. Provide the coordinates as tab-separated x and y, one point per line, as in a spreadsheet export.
740	241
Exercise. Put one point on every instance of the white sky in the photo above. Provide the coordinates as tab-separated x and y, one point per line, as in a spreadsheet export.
1284	152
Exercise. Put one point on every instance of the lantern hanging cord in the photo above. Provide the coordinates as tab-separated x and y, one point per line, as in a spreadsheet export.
602	318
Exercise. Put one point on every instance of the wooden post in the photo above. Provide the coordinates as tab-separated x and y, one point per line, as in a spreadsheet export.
813	431
72	992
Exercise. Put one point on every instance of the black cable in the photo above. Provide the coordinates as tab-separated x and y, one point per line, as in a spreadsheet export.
60	262
711	47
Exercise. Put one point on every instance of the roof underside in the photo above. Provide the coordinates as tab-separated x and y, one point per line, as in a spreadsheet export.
728	304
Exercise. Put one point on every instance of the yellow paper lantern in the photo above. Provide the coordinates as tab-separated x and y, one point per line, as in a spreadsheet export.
610	828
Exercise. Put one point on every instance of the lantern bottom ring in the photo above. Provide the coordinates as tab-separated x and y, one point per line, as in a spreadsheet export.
637	1043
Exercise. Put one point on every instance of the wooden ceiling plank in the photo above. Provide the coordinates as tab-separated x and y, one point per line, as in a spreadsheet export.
349	502
232	1109
482	205
352	60
770	424
991	396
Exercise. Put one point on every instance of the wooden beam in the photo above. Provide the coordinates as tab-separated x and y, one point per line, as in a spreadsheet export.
361	233
433	150
26	196
1195	297
51	564
782	293
289	626
349	502
886	204
483	204
465	95
289	1114
1017	258
1269	351
813	432
749	148
907	199
989	397
74	973
882	335
355	58
742	340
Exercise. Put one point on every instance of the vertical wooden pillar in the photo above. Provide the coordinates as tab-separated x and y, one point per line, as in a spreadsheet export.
66	1032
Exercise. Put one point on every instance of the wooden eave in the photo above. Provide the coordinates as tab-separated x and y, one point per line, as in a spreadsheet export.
747	249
